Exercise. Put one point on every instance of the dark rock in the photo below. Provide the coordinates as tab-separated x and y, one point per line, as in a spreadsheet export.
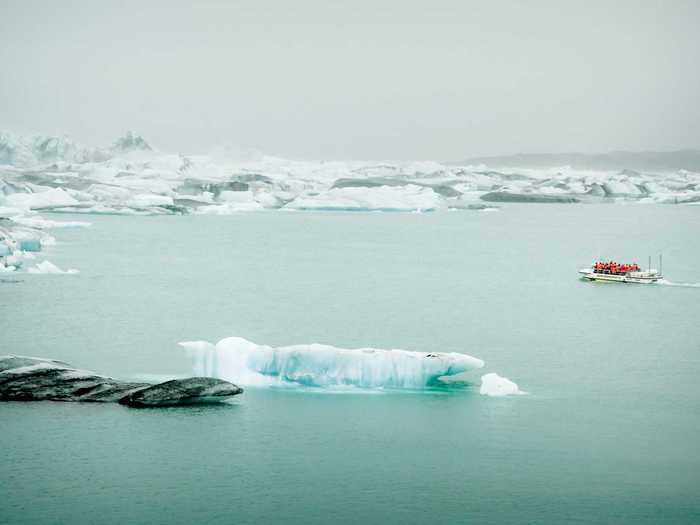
505	196
369	182
193	390
596	190
375	182
253	178
36	379
445	190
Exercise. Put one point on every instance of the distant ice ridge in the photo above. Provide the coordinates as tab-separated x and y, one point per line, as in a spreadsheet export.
246	363
130	177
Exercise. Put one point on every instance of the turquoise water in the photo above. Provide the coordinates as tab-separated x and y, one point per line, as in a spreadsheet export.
608	433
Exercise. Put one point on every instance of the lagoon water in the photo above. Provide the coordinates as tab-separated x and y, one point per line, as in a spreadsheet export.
608	433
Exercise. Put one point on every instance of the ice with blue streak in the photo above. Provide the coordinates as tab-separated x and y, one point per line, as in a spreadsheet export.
246	363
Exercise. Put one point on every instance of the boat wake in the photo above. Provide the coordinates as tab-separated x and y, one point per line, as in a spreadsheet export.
682	285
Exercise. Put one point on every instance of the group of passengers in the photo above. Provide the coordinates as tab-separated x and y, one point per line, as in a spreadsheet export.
615	268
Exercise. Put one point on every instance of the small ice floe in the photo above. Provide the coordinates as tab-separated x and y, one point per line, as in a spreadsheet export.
49	267
42	224
493	385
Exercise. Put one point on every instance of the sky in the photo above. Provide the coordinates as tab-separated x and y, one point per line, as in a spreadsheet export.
400	80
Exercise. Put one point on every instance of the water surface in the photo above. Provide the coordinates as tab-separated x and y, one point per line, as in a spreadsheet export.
607	434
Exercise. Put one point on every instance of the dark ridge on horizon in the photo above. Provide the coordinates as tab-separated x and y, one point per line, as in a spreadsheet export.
688	159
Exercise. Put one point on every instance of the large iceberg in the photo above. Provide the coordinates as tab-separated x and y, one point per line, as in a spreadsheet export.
246	363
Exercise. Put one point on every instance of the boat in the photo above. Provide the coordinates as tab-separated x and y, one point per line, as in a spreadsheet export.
621	273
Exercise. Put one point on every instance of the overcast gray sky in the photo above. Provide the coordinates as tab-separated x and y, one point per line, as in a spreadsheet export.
356	79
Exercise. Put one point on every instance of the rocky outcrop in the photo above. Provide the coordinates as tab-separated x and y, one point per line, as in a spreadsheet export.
37	379
189	391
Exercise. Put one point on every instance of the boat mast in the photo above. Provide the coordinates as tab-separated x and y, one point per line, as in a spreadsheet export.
660	264
649	264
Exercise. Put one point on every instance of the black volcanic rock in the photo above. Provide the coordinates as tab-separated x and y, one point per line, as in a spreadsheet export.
37	379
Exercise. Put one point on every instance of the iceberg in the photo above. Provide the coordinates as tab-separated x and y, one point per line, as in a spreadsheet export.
381	198
43	224
317	365
49	267
493	385
55	197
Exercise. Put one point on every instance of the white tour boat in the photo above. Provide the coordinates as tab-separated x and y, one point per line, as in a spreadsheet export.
621	273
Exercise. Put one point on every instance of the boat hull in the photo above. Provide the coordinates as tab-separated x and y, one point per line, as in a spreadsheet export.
612	278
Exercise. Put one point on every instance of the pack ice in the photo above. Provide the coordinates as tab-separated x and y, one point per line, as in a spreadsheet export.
41	173
246	363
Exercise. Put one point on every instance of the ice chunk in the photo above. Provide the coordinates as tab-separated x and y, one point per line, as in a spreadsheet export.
30	245
54	197
49	267
237	359
17	257
382	198
494	385
228	208
41	223
145	200
236	196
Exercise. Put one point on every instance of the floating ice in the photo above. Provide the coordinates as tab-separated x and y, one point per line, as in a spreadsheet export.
145	200
49	267
246	363
43	224
494	385
230	208
131	177
382	198
54	197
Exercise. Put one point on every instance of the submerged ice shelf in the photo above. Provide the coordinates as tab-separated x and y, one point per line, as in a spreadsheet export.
316	365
